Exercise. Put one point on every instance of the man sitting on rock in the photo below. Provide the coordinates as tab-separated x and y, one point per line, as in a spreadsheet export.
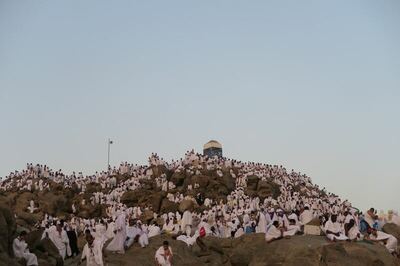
307	215
389	241
352	231
21	250
369	220
292	229
333	230
164	255
274	232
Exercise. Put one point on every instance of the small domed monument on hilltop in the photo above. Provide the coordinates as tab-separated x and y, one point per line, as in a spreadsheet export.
212	148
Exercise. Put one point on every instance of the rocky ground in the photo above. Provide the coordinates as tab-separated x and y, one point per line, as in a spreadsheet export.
252	250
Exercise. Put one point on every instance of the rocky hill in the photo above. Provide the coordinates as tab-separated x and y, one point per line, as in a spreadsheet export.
215	184
58	200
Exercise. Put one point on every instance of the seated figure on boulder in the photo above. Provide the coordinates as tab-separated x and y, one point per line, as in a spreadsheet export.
164	255
388	240
274	232
20	248
333	230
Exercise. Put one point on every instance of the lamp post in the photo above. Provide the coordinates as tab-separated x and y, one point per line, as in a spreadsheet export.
108	157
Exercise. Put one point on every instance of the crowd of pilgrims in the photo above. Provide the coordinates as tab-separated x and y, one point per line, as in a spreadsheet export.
239	214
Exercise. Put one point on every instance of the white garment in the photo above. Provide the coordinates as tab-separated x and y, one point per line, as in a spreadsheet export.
391	241
117	244
239	232
354	233
93	254
161	258
369	219
263	222
334	228
186	222
60	240
291	230
143	240
101	233
306	216
110	230
154	230
187	239
273	233
20	248
131	233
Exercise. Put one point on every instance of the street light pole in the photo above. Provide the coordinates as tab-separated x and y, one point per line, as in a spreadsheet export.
108	157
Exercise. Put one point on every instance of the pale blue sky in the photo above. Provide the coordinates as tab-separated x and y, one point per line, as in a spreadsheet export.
312	85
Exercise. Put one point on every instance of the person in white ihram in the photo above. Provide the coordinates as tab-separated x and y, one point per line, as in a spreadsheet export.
117	244
92	252
164	255
333	230
186	223
20	248
274	232
32	207
388	240
60	239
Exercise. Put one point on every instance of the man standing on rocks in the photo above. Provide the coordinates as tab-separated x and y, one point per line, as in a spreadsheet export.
60	239
186	223
92	252
117	244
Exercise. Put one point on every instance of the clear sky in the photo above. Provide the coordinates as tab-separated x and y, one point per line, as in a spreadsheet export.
311	85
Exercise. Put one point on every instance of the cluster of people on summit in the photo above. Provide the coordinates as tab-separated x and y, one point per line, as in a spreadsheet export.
295	211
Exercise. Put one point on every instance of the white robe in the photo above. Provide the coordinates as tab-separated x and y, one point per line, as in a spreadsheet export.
117	244
239	232
263	222
273	233
189	240
334	228
60	240
306	216
391	241
291	230
161	259
154	230
93	254
143	237
369	220
186	222
131	233
354	233
101	233
110	230
21	250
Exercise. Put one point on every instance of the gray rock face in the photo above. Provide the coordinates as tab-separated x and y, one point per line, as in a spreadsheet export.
392	229
8	229
44	249
252	250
